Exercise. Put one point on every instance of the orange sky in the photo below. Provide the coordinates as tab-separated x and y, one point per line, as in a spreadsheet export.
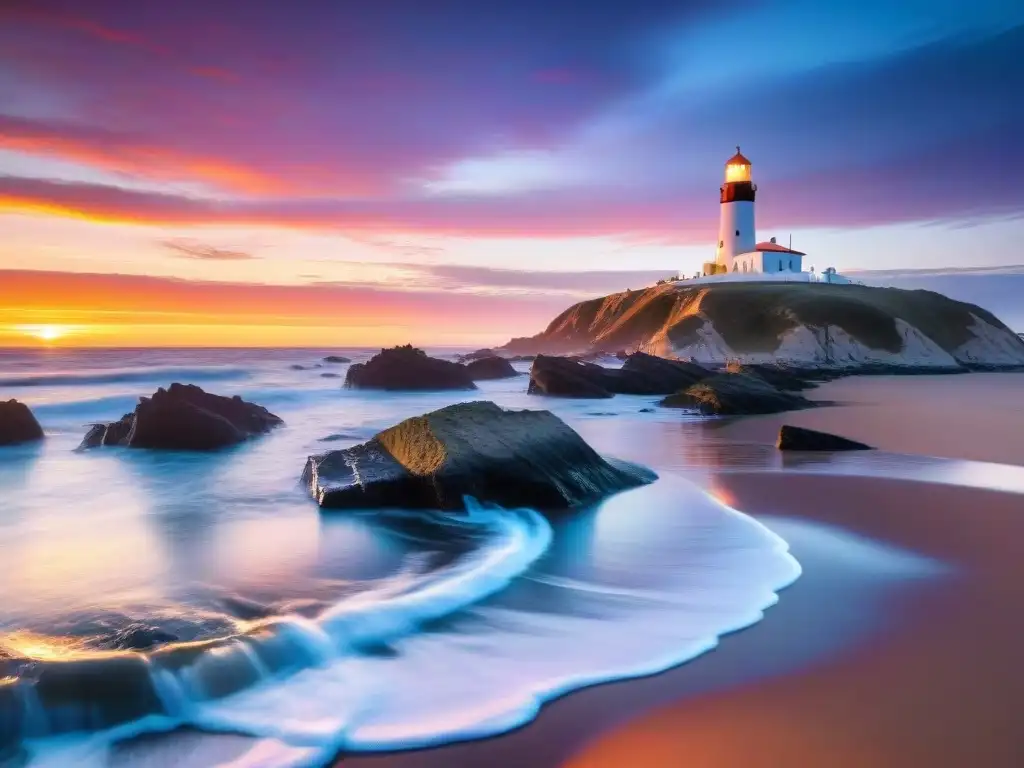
362	176
125	310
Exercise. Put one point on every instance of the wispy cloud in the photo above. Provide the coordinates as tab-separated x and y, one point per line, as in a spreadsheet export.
191	249
130	153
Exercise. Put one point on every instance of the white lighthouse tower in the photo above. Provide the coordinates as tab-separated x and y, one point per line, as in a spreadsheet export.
736	233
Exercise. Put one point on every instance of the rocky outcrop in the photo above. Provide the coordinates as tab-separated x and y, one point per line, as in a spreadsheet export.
564	377
810	325
336	360
664	376
779	376
490	368
478	354
735	394
407	368
185	418
641	374
17	424
511	458
800	439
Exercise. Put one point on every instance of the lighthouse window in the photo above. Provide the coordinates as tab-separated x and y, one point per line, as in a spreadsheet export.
737	233
721	243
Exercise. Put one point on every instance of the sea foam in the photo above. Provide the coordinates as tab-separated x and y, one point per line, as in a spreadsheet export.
477	647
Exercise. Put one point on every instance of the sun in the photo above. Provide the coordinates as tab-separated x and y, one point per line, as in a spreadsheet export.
50	333
45	333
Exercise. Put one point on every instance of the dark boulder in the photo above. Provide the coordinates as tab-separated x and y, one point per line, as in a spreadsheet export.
183	417
800	439
780	377
478	354
641	374
664	376
17	424
563	377
114	433
734	394
336	359
511	458
408	368
491	368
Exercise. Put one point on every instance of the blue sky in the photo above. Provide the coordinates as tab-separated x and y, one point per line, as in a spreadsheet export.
445	149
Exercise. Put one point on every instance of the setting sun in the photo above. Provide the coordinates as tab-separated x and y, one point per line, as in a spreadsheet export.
47	333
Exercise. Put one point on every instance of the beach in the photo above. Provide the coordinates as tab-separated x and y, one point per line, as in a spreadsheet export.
928	676
749	607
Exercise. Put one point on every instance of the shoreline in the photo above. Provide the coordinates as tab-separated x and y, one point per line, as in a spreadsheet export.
924	416
650	721
936	641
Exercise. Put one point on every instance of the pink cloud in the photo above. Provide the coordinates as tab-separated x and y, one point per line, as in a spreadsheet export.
86	26
215	73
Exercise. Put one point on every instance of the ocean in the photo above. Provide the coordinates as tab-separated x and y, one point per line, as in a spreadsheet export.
150	592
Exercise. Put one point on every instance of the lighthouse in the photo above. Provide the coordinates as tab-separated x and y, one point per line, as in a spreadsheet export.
739	256
736	233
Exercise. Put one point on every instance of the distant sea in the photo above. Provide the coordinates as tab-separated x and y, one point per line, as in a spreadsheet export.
144	592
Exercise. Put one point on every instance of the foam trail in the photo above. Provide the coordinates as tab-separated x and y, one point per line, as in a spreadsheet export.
473	682
212	690
523	536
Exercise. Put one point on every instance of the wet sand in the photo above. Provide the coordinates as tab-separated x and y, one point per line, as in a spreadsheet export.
941	688
971	416
930	677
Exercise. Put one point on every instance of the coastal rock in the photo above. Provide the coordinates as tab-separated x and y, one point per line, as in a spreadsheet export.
491	368
735	394
664	376
779	376
184	417
801	439
562	377
844	328
336	359
407	368
478	354
18	424
641	374
511	458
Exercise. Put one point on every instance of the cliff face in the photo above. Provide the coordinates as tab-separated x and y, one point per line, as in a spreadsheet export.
799	323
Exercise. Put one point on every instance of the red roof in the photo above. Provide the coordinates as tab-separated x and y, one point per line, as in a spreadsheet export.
776	248
738	159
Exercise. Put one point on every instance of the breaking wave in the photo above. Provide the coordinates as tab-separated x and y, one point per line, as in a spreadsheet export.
469	648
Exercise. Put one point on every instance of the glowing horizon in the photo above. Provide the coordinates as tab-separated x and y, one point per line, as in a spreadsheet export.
287	180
